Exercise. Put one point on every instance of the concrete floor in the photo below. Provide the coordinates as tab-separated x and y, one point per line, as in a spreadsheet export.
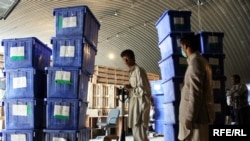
129	136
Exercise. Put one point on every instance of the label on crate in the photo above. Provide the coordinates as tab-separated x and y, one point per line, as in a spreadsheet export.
58	139
65	22
62	77
213	40
61	112
17	53
213	61
21	110
216	84
182	61
178	43
178	21
67	51
19	82
18	137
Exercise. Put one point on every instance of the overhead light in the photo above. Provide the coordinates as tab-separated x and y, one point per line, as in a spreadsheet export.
115	13
111	56
201	2
1	50
6	6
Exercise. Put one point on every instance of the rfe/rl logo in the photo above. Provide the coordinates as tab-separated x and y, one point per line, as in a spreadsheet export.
228	132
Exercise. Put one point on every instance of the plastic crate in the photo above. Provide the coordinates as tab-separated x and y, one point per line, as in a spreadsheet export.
67	135
211	42
173	20
67	82
23	135
172	89
73	52
173	66
25	53
219	83
216	62
159	100
159	128
156	87
65	114
168	113
219	87
159	114
171	113
171	132
25	83
24	114
76	21
171	43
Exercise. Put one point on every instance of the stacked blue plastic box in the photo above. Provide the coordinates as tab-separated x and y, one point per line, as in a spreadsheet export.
24	63
211	47
73	52
158	101
171	26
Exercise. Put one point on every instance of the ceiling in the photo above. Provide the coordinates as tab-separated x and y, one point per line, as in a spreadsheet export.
134	27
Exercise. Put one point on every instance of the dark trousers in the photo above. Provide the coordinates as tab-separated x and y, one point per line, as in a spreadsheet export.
243	116
231	112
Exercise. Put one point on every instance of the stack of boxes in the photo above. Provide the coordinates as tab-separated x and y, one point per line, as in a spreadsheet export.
211	47
24	63
158	105
172	25
73	57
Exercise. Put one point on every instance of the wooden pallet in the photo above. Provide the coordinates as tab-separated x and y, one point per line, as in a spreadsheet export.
152	76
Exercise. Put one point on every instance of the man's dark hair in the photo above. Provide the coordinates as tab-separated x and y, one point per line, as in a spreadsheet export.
236	78
129	53
191	41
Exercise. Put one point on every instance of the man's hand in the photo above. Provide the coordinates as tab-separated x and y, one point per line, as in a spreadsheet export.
127	87
188	124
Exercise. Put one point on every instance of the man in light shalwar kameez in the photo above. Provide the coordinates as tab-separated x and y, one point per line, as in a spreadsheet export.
140	94
196	109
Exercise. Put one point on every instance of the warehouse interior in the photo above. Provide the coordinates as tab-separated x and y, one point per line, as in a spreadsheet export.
132	24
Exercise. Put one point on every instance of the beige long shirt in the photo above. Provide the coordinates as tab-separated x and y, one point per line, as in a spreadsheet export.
139	102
